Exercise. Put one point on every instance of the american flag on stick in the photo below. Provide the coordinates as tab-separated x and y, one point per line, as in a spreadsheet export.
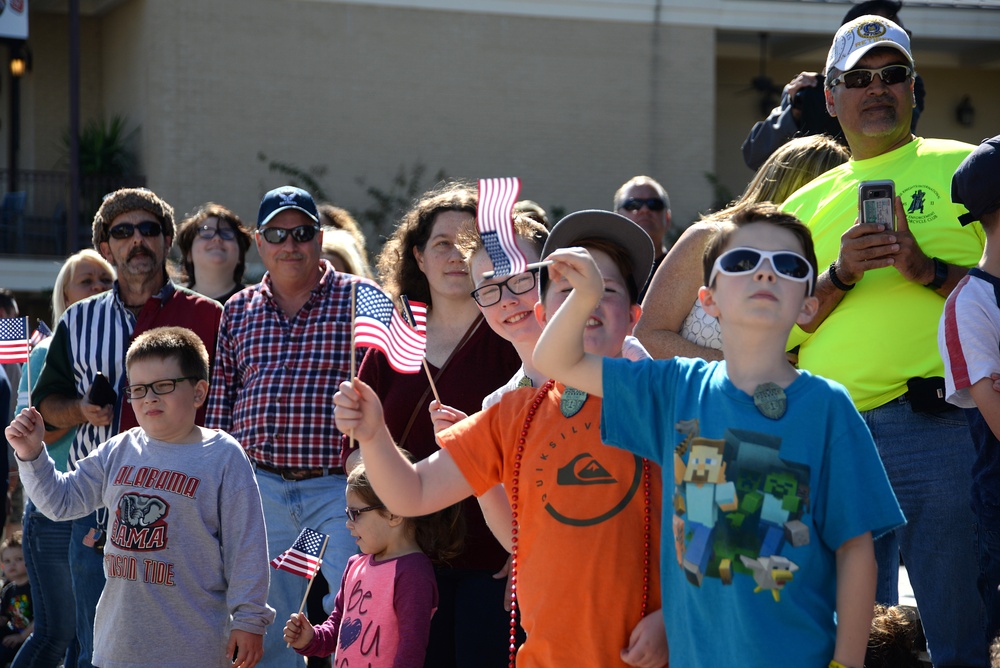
304	556
14	346
378	325
41	333
496	225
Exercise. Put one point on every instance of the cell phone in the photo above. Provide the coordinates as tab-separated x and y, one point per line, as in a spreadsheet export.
101	393
876	203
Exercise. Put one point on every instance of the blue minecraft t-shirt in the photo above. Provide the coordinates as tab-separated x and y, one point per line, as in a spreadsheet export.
758	506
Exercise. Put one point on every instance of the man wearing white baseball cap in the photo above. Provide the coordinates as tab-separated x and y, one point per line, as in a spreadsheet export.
876	329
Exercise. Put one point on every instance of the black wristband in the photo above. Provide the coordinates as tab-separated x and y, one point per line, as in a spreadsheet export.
940	274
837	283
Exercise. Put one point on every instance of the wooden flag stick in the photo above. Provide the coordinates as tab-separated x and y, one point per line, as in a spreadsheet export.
354	312
533	265
27	364
408	315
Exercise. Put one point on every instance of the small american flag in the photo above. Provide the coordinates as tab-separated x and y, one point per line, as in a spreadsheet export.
13	340
496	226
304	556
41	333
378	325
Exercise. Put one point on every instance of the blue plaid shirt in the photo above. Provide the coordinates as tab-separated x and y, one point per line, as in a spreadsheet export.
274	377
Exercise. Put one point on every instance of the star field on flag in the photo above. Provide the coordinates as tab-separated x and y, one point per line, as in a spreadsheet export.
14	347
496	225
378	325
304	556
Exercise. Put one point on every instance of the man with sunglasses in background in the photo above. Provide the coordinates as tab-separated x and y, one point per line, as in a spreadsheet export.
81	385
645	202
881	298
802	110
284	348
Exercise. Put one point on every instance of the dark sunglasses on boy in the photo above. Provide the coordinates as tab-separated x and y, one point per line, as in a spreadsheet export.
147	228
209	232
300	234
743	260
862	78
653	204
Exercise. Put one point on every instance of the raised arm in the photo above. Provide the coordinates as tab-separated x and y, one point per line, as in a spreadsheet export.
559	352
671	295
405	489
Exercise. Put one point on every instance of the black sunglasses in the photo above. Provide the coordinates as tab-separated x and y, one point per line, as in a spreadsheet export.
207	232
653	204
353	513
301	234
147	228
862	78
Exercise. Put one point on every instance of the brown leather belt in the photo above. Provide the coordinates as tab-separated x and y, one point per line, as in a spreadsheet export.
298	475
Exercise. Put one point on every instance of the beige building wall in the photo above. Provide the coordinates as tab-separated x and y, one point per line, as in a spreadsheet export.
572	107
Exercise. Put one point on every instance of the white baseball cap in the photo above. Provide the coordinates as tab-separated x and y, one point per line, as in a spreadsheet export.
858	37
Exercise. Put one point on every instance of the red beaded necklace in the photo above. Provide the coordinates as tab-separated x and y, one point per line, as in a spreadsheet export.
514	492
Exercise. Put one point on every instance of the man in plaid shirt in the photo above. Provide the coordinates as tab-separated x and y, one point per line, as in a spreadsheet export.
284	347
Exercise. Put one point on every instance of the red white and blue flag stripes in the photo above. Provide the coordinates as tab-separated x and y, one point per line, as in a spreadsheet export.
496	225
14	347
304	556
378	325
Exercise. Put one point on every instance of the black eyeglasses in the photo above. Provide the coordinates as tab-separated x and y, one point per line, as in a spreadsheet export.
301	234
653	204
518	284
208	232
147	228
862	78
158	387
746	260
353	513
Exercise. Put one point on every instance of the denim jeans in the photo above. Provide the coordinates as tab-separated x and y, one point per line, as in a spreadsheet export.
928	458
288	508
46	557
87	568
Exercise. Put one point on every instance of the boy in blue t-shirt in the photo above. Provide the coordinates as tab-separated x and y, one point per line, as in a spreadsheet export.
969	341
777	487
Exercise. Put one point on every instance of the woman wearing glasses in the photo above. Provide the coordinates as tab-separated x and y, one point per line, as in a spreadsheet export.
467	361
213	243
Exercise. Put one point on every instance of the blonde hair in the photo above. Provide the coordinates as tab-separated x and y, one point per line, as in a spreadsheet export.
792	166
341	242
66	273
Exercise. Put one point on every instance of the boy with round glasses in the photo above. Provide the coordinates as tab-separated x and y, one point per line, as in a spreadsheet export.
776	488
186	555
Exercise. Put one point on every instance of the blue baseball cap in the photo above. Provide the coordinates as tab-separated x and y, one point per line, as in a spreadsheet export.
976	183
286	197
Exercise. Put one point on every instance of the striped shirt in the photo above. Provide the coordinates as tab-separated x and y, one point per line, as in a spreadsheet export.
93	337
274	377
